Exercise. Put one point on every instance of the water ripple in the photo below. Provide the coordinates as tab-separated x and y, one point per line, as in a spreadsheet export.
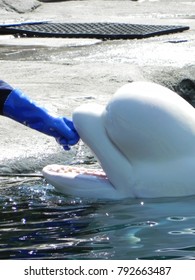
36	222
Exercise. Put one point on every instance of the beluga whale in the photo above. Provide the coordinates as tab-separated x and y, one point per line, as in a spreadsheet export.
144	140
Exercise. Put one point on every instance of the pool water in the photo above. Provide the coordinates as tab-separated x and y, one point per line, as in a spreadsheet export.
36	222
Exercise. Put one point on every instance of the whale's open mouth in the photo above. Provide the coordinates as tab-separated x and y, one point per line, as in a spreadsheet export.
73	171
79	181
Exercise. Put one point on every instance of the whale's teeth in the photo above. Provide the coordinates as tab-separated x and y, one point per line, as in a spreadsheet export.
78	170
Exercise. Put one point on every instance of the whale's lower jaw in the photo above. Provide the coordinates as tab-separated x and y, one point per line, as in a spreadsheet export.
80	182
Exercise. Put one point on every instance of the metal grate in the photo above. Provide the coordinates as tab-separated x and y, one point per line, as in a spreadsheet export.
91	30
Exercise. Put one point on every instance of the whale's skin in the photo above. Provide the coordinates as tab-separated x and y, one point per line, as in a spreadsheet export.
144	139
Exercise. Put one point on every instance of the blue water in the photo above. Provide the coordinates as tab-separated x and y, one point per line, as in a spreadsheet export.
36	222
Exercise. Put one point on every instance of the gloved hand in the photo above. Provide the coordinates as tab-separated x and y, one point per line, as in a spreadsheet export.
23	110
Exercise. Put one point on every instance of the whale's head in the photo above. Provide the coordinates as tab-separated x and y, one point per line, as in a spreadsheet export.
144	139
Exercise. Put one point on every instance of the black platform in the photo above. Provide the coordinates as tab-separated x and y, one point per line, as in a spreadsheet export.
90	30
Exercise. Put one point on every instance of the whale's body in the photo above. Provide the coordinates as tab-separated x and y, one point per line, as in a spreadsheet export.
144	140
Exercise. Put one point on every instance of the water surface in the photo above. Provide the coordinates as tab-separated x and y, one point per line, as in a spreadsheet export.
36	222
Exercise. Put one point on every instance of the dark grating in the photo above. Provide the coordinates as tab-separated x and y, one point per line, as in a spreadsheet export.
91	30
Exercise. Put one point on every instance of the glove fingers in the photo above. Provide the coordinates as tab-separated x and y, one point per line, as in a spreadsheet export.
63	142
66	148
62	128
67	132
68	122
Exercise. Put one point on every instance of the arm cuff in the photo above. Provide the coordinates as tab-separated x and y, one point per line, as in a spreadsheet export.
3	96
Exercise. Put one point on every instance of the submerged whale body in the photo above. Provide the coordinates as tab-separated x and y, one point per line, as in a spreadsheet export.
144	140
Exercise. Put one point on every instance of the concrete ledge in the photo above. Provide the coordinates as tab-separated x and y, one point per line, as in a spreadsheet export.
19	6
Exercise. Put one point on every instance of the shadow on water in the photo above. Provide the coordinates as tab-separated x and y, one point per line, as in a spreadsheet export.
36	222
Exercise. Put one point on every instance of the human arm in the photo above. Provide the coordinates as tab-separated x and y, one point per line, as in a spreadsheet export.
22	109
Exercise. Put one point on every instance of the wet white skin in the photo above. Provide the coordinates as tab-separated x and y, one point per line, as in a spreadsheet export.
144	140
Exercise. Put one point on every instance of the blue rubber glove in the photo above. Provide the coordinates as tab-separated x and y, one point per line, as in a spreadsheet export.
23	110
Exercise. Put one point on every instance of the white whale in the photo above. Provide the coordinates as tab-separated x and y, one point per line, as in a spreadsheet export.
144	140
